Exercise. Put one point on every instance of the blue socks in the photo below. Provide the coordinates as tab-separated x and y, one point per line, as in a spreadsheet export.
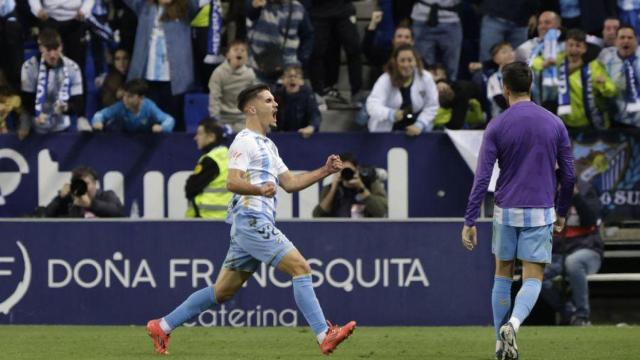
500	302
196	303
308	304
525	300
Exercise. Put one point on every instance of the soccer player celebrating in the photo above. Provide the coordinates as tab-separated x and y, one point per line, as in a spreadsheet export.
528	141
255	170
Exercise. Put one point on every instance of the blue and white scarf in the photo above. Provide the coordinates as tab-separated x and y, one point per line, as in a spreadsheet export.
43	85
215	34
588	97
589	101
632	97
564	99
550	52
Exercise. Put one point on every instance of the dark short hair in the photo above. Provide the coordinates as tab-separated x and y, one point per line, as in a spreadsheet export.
135	87
517	77
81	171
210	126
404	24
498	46
250	93
49	38
577	35
626	26
349	157
236	43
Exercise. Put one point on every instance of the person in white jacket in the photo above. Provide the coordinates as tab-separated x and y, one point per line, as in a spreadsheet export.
405	97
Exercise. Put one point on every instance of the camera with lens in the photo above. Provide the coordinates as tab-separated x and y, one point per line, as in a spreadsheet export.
347	174
78	187
368	175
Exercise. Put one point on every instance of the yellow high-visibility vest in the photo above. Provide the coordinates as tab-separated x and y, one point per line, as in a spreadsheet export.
213	200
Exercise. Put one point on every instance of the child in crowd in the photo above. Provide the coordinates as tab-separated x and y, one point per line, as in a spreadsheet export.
135	113
226	82
297	106
502	54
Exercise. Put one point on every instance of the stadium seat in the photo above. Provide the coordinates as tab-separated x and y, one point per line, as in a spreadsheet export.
196	108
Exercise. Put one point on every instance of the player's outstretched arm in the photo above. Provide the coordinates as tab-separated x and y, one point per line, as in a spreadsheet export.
238	185
293	183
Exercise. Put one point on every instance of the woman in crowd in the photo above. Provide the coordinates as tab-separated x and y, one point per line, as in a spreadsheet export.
405	97
162	53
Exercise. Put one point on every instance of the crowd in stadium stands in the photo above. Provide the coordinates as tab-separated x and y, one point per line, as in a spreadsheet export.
430	64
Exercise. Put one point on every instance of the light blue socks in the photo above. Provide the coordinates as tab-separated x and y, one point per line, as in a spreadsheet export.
525	300
308	304
196	303
501	302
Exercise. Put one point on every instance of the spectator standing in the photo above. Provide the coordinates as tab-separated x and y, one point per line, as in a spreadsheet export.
280	34
583	86
623	67
505	20
114	80
226	83
68	18
82	199
134	113
162	53
438	33
51	87
378	54
609	30
11	42
10	105
297	106
351	194
533	47
335	17
405	97
501	54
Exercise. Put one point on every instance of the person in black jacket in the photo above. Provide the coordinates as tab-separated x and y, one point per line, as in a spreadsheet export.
82	199
298	108
577	252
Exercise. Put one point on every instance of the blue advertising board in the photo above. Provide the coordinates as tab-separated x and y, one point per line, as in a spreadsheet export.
127	272
426	175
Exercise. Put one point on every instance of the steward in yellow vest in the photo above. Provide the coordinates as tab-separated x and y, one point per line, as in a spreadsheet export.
206	188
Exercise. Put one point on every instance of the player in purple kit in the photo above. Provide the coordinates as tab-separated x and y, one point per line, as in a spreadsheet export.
528	141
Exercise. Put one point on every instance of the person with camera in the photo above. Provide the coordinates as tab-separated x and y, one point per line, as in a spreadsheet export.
405	97
82	199
354	192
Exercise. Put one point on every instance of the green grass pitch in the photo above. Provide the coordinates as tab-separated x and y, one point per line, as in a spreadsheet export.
394	343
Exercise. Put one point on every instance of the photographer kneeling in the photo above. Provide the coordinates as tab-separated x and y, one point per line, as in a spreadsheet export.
82	199
354	192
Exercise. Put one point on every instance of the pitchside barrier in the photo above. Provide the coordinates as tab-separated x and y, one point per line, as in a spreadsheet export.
426	176
129	271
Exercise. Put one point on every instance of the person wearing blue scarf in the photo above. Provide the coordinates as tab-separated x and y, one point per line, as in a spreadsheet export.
583	87
623	66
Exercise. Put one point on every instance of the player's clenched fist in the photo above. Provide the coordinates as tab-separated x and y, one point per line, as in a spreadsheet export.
334	164
268	189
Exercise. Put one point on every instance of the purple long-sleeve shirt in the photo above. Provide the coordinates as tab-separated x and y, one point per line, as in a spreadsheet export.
527	141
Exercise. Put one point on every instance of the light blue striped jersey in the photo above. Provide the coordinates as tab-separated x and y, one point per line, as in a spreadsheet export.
158	59
258	157
524	217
